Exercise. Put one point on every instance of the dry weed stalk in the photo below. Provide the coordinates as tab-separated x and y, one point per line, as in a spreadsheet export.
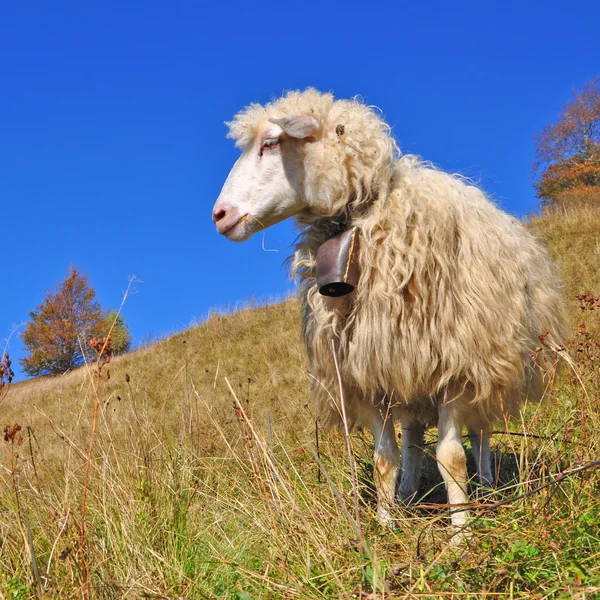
6	375
14	437
586	348
103	350
103	356
288	494
275	511
365	550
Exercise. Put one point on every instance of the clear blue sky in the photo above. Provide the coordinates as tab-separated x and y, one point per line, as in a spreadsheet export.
112	142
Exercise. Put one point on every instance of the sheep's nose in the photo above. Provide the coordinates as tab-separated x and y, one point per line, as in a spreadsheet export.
218	214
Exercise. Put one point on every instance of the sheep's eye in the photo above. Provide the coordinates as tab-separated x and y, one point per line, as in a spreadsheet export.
269	144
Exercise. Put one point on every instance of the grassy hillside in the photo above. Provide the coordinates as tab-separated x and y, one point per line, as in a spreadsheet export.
573	239
194	469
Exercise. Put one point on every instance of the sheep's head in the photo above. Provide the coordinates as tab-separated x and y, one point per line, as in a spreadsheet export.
304	156
265	184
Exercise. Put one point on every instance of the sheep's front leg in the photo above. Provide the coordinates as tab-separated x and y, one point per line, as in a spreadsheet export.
386	459
452	461
412	457
480	446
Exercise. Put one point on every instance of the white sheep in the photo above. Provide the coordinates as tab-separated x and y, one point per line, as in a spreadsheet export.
453	298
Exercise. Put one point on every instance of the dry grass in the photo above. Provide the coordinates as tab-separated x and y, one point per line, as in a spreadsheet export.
201	490
573	238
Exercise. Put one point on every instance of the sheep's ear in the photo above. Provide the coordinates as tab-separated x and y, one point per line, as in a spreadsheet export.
298	126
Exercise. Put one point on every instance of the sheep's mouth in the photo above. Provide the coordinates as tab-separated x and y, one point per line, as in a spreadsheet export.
235	227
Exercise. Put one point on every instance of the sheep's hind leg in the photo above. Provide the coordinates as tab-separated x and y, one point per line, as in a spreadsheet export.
452	463
412	457
480	446
386	459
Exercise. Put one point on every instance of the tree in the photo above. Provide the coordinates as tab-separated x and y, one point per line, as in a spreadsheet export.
112	322
65	317
567	153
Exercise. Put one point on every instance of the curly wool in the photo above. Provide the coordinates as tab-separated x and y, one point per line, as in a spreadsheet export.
454	294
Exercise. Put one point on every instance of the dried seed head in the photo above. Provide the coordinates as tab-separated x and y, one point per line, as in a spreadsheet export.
12	435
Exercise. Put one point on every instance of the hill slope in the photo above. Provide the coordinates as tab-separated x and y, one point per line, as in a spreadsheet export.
573	239
253	342
156	482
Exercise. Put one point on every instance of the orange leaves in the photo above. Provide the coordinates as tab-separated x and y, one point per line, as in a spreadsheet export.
576	133
53	335
568	153
57	336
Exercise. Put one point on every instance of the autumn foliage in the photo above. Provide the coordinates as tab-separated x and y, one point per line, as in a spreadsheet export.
56	337
567	153
112	324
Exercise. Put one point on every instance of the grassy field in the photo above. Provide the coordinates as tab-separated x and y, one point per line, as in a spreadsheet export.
194	469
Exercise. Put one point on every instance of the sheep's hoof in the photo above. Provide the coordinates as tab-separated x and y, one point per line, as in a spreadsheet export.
488	483
486	487
409	497
460	538
461	534
385	518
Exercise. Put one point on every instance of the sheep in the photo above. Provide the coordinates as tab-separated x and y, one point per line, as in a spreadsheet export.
455	298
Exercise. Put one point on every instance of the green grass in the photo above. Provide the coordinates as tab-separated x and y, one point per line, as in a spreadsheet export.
181	491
